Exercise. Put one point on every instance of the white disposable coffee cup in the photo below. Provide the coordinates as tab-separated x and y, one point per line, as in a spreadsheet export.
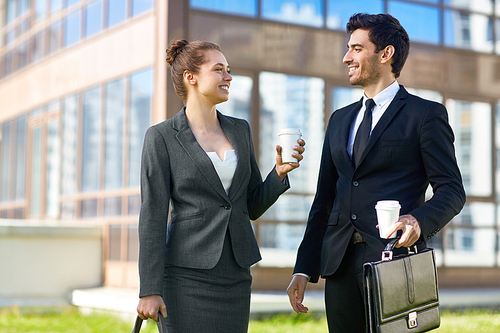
288	139
387	215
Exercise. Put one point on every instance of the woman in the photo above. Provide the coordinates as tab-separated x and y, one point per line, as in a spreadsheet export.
196	270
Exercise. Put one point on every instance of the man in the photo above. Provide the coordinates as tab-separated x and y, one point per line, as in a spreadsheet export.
404	144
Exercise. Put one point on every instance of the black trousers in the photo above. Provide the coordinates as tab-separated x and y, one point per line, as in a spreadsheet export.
344	291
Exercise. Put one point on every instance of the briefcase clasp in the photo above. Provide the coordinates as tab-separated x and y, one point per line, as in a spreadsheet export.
386	255
412	320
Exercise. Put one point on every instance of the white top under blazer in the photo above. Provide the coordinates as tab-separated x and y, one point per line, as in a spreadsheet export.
225	168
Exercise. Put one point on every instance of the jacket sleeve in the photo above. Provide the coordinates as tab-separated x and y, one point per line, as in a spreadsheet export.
438	155
309	253
155	198
262	194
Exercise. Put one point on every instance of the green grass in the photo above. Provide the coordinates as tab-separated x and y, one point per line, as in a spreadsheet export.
12	320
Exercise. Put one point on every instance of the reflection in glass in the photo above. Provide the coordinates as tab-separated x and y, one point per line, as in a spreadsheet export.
69	144
40	9
339	11
53	169
72	28
91	139
139	6
114	122
240	97
54	37
115	243
469	31
482	6
5	162
292	102
247	8
471	123
93	18
117	12
306	12
411	17
465	243
141	91
36	171
20	157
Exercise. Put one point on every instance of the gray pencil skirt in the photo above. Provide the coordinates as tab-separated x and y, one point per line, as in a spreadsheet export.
208	300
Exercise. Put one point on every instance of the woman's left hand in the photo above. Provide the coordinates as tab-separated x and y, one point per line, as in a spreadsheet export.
284	168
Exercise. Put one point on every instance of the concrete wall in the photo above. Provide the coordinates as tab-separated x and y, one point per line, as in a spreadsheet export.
40	264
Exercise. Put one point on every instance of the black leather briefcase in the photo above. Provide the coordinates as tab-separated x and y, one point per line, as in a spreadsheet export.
162	328
401	293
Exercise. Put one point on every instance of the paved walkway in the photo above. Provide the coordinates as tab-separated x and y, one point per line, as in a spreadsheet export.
124	301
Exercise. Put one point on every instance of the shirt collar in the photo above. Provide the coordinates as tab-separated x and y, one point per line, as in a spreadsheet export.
386	95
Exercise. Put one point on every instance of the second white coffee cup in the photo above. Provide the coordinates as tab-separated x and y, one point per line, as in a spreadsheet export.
387	215
288	139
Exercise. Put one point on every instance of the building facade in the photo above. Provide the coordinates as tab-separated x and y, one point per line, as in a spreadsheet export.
82	80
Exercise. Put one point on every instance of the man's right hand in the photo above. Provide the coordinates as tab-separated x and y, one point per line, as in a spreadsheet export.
296	291
149	306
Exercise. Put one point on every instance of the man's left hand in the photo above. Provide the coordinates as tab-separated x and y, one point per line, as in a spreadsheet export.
411	230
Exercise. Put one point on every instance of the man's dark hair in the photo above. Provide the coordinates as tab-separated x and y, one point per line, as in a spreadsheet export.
384	30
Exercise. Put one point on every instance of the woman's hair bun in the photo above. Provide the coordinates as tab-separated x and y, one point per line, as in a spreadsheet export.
174	49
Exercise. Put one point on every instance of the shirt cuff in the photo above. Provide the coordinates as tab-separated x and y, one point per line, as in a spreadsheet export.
304	275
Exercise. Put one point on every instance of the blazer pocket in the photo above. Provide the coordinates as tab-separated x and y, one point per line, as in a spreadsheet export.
180	219
334	218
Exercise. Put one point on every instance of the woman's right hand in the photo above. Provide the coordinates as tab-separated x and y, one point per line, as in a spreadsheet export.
149	306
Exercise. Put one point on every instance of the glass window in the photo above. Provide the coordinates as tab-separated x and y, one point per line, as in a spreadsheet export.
114	122
91	139
134	204
36	171
68	210
427	94
471	123
306	12
290	101
89	208
22	55
20	157
2	67
10	12
411	17
93	18
339	11
133	242
485	6
5	162
247	8
54	37
37	50
113	206
117	12
8	63
10	36
139	6
240	98
141	91
24	27
24	6
69	144
469	31
55	5
115	242
70	3
497	24
53	169
72	28
40	9
341	97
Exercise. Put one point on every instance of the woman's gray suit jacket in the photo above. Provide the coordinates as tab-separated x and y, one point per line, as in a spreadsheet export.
176	170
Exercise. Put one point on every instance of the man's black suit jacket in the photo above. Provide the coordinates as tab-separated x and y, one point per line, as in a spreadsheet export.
410	147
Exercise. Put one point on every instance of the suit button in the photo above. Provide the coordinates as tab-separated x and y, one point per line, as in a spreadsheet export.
226	206
355	183
354	217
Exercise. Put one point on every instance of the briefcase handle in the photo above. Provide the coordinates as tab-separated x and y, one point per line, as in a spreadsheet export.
162	328
387	254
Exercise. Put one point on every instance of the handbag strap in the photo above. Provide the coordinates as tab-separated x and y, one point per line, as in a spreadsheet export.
162	328
387	254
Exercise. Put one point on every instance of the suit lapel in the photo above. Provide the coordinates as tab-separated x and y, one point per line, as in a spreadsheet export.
397	103
199	157
346	129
